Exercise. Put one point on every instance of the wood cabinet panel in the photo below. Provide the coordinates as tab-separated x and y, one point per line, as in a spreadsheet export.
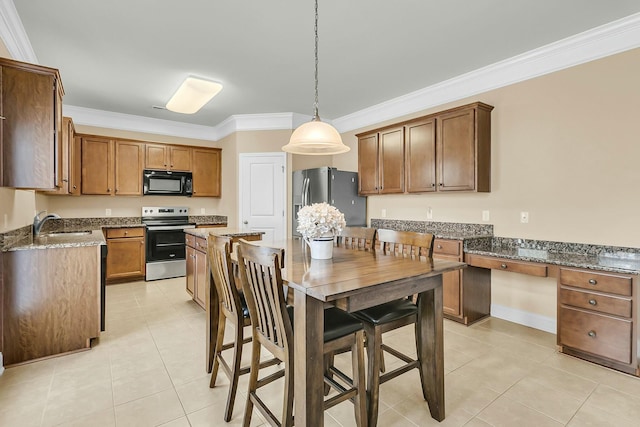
523	267
368	164
168	157
596	334
51	301
207	172
447	247
179	158
456	151
392	161
420	161
452	296
75	166
602	303
616	284
31	104
156	156
125	253
97	165
191	269
129	164
201	270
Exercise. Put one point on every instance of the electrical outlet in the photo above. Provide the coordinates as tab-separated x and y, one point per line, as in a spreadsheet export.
201	211
486	216
524	217
107	212
383	213
429	213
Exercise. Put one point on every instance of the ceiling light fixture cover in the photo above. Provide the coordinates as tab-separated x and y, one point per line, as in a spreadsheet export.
192	95
316	137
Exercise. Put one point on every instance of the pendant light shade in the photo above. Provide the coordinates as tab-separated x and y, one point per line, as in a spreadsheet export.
316	137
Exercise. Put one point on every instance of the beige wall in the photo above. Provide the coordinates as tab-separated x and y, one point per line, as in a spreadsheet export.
565	149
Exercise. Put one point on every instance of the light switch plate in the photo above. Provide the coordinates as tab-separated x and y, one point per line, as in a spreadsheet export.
383	213
486	216
202	211
429	213
107	212
524	217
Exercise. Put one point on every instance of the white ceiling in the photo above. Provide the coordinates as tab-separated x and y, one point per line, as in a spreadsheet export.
125	56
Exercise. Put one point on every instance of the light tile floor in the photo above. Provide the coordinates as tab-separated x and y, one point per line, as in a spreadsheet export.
148	369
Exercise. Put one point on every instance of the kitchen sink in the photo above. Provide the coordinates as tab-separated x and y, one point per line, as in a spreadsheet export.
66	233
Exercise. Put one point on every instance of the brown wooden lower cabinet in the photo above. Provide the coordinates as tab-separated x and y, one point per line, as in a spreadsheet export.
464	299
598	318
125	254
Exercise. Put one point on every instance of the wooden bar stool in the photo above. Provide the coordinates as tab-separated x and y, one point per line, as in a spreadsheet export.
272	327
392	315
232	308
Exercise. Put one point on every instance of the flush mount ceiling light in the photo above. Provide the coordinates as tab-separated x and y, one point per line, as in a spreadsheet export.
192	95
316	137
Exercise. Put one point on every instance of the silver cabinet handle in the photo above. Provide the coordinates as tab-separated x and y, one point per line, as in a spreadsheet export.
593	282
593	302
504	266
592	334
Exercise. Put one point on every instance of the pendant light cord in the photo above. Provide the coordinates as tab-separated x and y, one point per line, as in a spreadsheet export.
315	105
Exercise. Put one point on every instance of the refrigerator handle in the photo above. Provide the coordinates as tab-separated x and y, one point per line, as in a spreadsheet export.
305	190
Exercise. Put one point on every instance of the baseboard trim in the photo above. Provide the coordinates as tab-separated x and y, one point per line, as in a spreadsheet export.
532	320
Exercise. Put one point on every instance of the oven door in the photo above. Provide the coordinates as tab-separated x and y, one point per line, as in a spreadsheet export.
166	243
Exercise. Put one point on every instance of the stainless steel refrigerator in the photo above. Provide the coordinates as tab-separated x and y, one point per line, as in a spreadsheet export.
338	188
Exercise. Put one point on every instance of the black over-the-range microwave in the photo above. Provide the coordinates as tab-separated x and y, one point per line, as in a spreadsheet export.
167	183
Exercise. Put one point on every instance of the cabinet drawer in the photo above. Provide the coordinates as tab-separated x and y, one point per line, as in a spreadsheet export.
446	247
532	269
190	240
596	302
117	233
201	244
613	283
596	334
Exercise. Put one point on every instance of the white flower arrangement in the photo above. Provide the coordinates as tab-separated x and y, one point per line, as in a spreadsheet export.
320	220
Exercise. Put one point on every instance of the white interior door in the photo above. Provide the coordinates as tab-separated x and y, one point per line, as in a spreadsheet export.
263	187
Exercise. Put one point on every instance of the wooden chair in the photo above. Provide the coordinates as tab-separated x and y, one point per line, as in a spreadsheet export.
392	315
362	238
232	308
272	327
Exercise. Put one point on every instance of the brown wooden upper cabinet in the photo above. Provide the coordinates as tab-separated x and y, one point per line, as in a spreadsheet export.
63	158
30	125
206	172
446	151
168	157
112	167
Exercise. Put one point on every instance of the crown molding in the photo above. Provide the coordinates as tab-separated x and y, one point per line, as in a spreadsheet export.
13	34
609	39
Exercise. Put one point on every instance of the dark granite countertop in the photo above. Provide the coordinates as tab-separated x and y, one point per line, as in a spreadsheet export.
59	240
220	231
613	259
441	230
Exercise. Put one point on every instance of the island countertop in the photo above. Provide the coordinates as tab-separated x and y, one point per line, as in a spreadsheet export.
221	231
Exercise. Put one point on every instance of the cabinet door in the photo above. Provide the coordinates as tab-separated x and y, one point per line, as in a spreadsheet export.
191	270
456	150
201	277
392	161
420	161
28	129
451	289
125	257
156	156
97	166
179	158
75	166
206	172
368	164
129	163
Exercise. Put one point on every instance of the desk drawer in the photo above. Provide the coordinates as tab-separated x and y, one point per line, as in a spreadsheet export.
596	334
596	302
446	247
118	233
602	282
532	269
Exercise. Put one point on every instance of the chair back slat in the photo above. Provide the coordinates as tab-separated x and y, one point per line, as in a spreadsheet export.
409	244
260	275
362	238
219	253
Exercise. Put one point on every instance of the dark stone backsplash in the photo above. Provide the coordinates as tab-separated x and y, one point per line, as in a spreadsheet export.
440	229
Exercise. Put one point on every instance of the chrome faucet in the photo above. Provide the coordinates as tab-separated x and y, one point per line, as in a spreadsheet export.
38	223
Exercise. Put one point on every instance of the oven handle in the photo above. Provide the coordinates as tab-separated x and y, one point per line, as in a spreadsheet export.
169	227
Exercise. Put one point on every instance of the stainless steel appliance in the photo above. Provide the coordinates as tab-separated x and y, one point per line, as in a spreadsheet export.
167	183
165	242
338	188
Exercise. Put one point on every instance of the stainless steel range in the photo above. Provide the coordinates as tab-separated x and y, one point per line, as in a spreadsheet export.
165	246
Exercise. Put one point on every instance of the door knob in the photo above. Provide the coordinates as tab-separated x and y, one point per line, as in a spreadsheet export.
245	222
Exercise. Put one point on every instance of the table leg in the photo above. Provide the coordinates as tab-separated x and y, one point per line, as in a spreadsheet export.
212	306
308	359
429	329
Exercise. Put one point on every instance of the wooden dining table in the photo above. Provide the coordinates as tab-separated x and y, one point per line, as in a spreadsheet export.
353	280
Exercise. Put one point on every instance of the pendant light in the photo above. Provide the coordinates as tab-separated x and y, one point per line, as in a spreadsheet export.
316	137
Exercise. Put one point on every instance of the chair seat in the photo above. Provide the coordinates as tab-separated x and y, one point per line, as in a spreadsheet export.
337	323
387	312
